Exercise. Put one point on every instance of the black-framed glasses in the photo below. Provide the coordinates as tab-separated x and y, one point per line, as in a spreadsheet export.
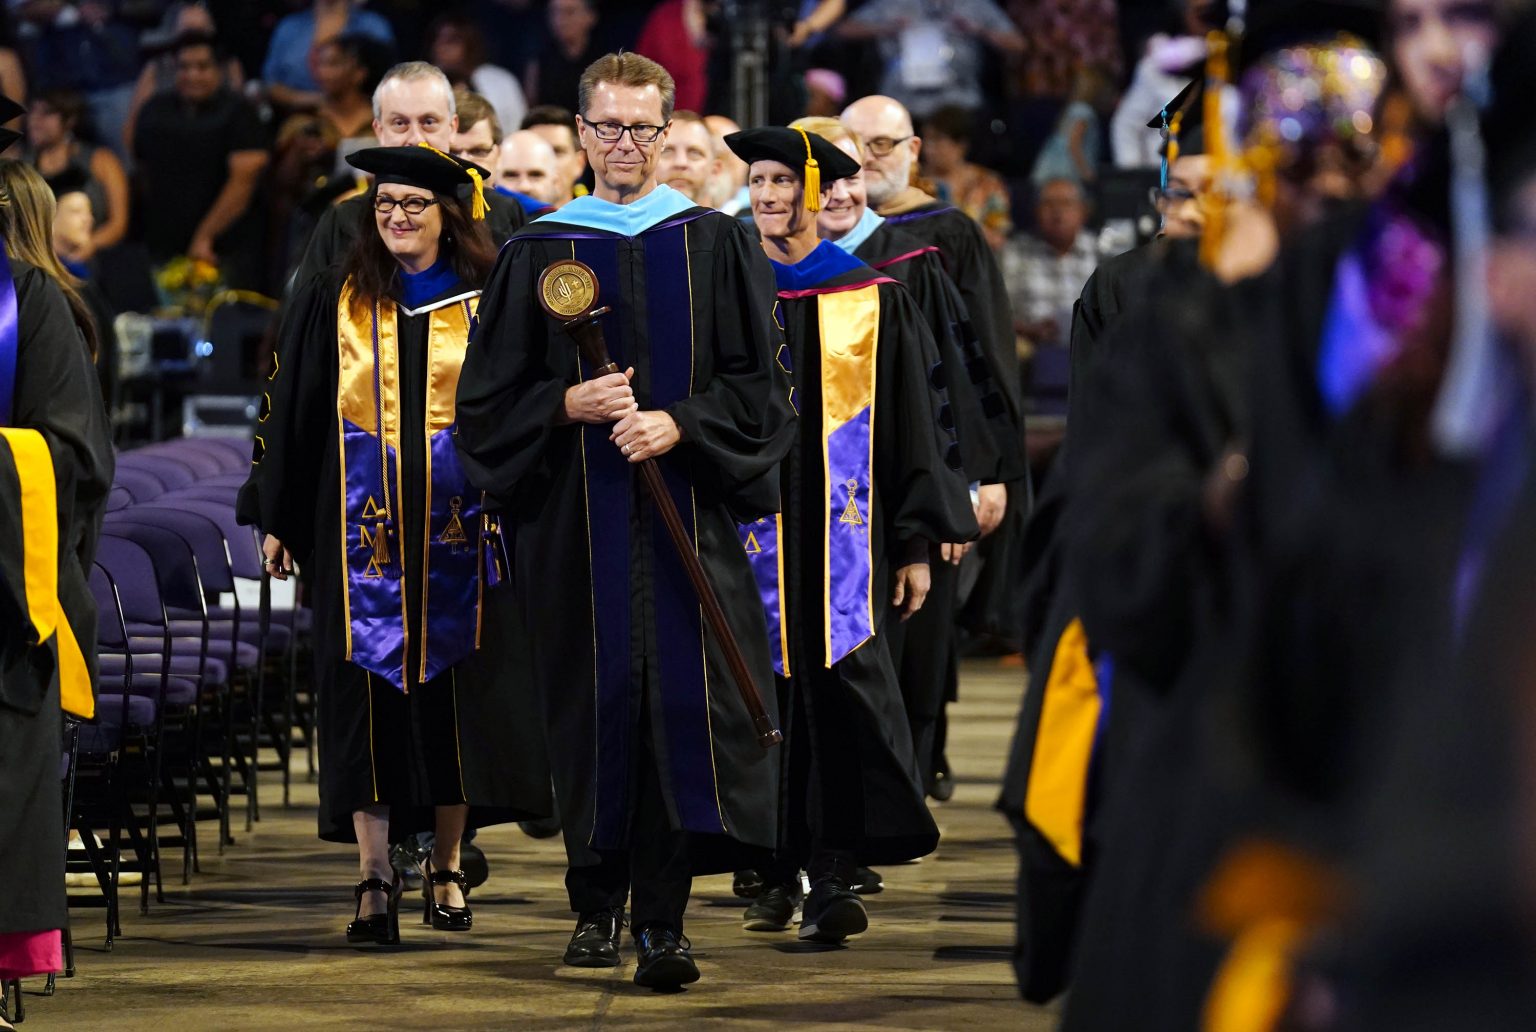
640	132
880	146
410	205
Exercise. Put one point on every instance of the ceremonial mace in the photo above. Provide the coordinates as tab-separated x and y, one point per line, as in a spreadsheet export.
568	292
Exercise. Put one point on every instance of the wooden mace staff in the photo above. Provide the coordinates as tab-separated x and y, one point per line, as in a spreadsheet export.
568	291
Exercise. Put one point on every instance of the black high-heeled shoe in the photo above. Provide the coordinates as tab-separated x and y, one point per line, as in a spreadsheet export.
440	915
380	929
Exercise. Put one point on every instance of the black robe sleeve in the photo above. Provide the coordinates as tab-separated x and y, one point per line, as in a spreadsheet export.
917	462
513	382
944	312
740	426
980	280
57	393
296	424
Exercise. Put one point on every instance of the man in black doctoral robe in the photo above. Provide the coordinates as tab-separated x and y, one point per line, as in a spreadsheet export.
891	149
873	480
658	771
991	453
55	471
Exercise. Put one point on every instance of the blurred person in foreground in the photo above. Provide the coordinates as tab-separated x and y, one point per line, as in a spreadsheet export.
354	475
1157	554
55	471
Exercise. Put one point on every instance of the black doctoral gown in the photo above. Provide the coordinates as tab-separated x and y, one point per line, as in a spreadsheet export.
991	452
615	625
466	735
56	394
993	604
1439	939
1148	574
847	710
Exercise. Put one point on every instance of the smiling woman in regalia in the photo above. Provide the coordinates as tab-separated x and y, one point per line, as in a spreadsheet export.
356	478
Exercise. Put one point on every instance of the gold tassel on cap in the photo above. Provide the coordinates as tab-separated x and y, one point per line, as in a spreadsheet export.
812	176
477	205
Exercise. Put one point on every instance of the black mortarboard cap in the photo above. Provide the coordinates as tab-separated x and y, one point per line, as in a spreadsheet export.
425	167
821	159
1184	119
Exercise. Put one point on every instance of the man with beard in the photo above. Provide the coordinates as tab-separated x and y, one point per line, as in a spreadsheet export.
688	161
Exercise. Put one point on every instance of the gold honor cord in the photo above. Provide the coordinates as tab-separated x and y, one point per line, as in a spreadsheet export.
1217	78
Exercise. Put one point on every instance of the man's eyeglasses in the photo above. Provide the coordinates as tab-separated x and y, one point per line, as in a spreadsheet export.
479	155
880	146
609	132
410	205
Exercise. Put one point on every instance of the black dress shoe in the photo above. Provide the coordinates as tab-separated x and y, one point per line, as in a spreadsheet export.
942	783
596	941
665	962
832	912
867	882
747	884
775	909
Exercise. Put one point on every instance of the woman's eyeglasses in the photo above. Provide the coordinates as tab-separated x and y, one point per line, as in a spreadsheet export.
410	205
609	132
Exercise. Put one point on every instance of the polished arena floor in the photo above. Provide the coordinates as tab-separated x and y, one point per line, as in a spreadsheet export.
255	941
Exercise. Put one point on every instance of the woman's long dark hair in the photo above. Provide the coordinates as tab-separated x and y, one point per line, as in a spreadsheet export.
465	242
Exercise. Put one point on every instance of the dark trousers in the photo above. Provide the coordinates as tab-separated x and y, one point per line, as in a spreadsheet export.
653	873
810	782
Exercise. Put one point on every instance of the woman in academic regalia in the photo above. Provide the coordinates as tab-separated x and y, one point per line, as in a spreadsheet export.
55	471
357	479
